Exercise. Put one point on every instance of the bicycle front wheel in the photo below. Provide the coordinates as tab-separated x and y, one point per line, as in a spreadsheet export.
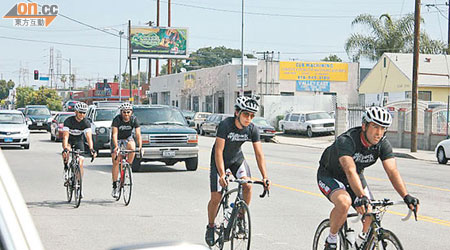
127	184
69	187
77	185
220	221
241	230
387	241
322	232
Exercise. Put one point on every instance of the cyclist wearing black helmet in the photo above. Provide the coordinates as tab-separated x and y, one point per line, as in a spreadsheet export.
340	175
74	128
226	154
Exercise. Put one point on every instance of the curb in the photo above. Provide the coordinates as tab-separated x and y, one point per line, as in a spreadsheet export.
404	155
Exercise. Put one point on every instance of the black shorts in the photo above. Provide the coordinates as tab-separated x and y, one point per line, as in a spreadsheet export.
121	142
238	171
327	185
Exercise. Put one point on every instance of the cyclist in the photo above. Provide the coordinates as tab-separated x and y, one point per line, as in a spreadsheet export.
122	128
340	175
227	154
73	130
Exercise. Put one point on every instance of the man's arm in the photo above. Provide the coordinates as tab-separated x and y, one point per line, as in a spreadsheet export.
114	142
89	139
218	155
65	140
390	166
257	147
139	137
349	167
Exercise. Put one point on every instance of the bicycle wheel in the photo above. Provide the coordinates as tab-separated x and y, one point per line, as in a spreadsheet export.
69	188
77	185
127	184
240	235
220	221
322	232
120	182
387	241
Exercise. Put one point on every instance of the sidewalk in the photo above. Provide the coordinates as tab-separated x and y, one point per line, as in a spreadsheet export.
322	142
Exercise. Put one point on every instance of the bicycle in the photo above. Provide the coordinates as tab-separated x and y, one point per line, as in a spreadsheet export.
125	175
232	221
376	234
74	180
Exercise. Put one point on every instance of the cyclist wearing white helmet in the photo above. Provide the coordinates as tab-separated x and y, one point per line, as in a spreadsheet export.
74	128
122	134
226	154
340	176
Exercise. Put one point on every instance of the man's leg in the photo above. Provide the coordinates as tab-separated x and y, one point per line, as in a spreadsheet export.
342	203
213	205
247	191
131	145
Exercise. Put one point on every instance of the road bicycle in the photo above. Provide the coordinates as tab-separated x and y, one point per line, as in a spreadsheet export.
74	181
376	238
232	221
125	175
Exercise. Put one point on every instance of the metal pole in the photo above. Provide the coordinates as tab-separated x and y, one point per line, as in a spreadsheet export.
139	79
242	51
70	72
415	77
157	24
129	58
169	61
446	126
120	65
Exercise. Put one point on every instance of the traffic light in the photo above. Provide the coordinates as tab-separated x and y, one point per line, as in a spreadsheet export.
36	75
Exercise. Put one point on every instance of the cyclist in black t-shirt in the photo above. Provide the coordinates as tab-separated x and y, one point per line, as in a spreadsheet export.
74	128
340	175
227	154
122	133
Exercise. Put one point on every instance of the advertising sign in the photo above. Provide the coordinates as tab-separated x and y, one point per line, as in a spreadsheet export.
103	89
313	86
189	80
158	42
314	71
239	77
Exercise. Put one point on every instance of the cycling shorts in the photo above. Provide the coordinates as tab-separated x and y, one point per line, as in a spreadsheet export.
328	185
121	142
238	171
78	144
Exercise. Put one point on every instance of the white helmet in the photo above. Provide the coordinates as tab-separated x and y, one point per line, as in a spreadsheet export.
126	106
81	107
246	103
378	116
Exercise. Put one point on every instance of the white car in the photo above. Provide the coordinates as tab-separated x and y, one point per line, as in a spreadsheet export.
442	151
14	129
314	122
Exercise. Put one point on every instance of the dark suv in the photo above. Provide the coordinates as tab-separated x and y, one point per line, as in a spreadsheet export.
166	136
39	115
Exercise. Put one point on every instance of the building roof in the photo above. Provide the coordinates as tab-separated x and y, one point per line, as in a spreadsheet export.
433	69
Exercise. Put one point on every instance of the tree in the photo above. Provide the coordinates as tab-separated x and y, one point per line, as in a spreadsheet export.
64	80
388	35
5	87
23	96
332	58
44	96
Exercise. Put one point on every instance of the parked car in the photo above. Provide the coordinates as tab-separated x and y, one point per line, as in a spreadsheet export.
200	117
166	136
14	129
314	122
39	115
442	151
56	133
210	125
266	131
188	114
70	105
101	119
21	110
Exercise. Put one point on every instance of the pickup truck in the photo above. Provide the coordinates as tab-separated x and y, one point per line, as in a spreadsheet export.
311	123
166	137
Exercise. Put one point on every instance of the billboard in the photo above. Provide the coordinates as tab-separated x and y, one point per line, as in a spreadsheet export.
159	42
314	71
313	86
189	80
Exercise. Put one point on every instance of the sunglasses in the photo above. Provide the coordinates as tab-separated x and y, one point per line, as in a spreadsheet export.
83	113
127	112
248	114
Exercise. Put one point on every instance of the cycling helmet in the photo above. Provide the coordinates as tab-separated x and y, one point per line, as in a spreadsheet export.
378	116
126	106
246	103
81	107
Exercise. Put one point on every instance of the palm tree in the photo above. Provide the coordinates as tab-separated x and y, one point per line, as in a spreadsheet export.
64	80
388	35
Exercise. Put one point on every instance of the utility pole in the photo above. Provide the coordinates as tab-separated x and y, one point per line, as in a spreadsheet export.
157	25
169	62
50	70
242	51
120	65
415	77
129	58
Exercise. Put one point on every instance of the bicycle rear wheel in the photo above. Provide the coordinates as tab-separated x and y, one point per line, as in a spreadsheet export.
77	185
69	187
240	235
322	232
387	241
127	184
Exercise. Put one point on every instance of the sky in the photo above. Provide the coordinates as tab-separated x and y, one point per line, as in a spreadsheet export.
302	30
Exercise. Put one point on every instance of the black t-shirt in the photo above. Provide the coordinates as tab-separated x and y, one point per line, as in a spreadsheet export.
125	128
349	143
234	138
76	129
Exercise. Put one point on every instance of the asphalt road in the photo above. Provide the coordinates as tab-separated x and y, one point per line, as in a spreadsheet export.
169	203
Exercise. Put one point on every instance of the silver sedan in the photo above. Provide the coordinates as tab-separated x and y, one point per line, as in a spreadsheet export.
14	129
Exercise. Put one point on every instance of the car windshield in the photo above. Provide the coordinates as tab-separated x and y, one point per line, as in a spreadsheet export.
105	114
188	113
38	111
150	116
260	122
63	117
203	115
11	118
317	116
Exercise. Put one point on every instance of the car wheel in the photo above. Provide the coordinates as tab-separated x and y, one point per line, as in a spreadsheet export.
267	139
27	146
284	131
52	138
191	164
136	165
442	159
309	132
202	132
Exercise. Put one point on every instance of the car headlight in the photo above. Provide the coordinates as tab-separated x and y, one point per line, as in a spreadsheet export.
49	120
192	138
101	130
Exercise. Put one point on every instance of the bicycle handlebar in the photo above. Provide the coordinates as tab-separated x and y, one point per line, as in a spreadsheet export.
241	181
79	152
386	203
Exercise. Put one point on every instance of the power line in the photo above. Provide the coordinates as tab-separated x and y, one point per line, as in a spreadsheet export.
60	43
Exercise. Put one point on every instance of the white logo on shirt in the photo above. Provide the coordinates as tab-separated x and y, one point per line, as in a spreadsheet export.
237	137
125	127
358	157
